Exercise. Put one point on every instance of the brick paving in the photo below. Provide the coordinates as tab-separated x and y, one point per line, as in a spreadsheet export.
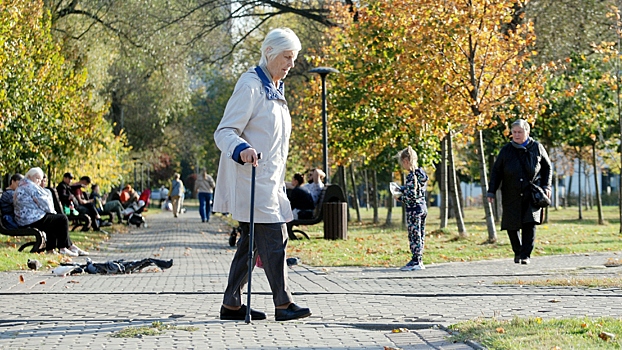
353	308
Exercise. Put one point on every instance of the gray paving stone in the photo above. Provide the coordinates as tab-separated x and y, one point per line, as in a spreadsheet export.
353	308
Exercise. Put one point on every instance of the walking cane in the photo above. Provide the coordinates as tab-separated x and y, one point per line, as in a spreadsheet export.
251	236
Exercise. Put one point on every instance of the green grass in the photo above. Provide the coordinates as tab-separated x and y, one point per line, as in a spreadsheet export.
11	259
535	333
377	245
156	328
590	282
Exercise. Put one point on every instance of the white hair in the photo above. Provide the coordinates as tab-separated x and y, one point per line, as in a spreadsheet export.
522	123
277	41
34	171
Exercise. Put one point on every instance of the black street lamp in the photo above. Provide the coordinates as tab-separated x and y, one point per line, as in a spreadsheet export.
323	72
134	184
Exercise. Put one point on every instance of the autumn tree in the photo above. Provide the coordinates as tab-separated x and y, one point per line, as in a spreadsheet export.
46	118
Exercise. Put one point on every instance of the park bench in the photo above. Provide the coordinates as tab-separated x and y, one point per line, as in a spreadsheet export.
74	220
37	246
329	194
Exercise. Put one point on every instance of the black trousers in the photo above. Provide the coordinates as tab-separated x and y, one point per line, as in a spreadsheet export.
523	241
91	210
270	242
56	228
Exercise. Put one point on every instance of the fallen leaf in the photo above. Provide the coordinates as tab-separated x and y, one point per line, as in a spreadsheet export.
583	325
42	282
554	301
606	336
400	330
500	330
21	279
73	281
156	255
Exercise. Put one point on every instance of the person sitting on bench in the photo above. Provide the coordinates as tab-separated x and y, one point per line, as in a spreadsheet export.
87	206
316	184
34	208
300	200
6	203
104	206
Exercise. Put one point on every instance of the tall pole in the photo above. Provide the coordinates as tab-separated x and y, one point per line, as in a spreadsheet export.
323	72
617	18
325	128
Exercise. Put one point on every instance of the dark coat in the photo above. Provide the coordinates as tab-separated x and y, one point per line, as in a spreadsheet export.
508	172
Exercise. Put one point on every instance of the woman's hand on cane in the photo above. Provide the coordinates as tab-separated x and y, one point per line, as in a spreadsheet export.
249	155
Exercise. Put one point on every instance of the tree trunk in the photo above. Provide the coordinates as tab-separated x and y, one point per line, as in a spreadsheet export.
452	173
490	220
342	179
374	181
496	209
389	221
555	187
599	201
443	184
568	191
579	196
402	206
366	191
355	197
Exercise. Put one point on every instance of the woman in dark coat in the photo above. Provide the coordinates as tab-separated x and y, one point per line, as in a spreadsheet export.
518	162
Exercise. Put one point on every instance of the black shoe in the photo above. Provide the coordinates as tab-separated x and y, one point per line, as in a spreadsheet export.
240	315
516	259
524	261
292	312
105	223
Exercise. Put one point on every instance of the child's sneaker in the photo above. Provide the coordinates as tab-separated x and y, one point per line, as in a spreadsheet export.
418	267
409	267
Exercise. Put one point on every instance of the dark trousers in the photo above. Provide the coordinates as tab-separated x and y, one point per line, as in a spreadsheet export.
90	210
270	242
113	207
204	205
523	241
56	228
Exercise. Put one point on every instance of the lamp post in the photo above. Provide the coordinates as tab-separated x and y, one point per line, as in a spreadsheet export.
323	72
134	159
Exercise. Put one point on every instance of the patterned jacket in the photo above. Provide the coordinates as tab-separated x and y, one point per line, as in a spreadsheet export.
31	203
414	198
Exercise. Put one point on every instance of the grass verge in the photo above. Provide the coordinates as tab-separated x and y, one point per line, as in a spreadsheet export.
536	333
156	328
11	259
380	245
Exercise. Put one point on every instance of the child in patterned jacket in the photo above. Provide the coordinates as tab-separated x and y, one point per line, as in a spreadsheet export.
414	201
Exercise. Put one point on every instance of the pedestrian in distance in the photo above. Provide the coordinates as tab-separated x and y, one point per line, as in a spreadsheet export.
204	188
257	120
414	201
520	162
177	194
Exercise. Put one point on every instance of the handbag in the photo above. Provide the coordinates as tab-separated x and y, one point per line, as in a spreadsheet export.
539	199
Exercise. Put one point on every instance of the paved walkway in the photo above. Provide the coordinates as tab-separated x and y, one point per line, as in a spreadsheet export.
353	308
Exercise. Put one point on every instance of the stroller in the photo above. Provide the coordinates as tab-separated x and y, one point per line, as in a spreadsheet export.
133	214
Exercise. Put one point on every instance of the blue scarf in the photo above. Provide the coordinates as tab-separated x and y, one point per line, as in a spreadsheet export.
272	92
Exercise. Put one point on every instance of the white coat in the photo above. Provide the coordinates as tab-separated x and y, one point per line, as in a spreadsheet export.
265	124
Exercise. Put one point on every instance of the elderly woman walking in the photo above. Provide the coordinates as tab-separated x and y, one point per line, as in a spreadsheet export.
520	162
257	120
